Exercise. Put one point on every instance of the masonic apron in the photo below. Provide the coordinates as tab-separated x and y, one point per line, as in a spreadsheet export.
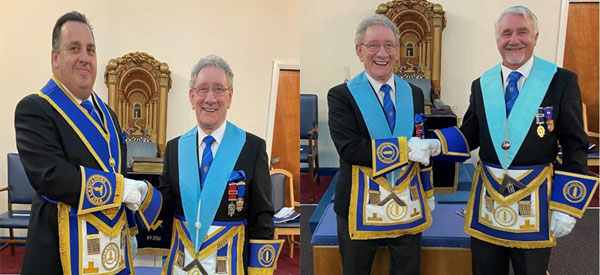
502	211
199	244
94	237
387	200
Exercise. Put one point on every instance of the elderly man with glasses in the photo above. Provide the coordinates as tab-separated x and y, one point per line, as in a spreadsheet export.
216	185
384	191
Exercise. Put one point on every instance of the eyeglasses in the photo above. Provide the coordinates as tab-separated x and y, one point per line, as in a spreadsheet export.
373	47
218	91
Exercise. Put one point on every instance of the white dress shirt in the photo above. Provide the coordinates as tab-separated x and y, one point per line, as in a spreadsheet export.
217	134
79	100
525	70
377	86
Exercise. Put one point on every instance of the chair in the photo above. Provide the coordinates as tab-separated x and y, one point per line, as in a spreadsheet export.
309	129
19	192
593	157
280	180
593	160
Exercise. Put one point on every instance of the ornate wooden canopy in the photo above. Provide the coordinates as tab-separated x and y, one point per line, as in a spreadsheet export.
138	86
420	24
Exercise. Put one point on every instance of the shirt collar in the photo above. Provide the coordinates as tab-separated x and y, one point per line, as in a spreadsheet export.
217	134
73	96
377	85
525	70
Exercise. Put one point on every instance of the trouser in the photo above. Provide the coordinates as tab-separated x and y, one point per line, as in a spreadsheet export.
357	255
491	259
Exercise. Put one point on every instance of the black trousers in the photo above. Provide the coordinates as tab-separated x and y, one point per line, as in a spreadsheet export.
358	255
491	259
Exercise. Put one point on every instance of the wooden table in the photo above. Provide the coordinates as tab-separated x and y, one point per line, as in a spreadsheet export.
434	260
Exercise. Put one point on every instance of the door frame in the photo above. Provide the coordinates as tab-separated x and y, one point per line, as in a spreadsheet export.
562	27
277	66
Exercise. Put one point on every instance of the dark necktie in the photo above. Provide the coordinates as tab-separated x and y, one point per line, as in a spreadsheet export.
512	91
388	106
86	104
207	158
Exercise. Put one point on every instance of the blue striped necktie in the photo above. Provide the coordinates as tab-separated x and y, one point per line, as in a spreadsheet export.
512	91
207	158
388	106
86	104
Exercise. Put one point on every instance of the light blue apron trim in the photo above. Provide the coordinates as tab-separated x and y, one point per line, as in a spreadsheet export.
83	123
373	114
216	179
520	119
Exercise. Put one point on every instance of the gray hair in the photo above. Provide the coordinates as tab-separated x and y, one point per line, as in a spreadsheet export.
520	10
211	60
376	19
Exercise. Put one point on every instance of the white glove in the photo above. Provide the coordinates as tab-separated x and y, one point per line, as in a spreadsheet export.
418	150
561	224
143	187
134	246
435	147
431	203
131	194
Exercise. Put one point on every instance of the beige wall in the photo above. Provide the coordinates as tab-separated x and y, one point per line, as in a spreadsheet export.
248	34
328	28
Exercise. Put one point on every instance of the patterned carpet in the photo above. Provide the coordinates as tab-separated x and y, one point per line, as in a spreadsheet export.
577	253
305	195
287	265
11	264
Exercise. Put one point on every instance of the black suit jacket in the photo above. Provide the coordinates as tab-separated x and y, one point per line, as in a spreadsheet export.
564	96
351	138
258	208
51	153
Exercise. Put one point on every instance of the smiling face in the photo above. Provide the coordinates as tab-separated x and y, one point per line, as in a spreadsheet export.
74	64
378	64
211	108
515	40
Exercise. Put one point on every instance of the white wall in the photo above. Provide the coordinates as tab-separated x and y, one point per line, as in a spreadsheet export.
248	34
468	43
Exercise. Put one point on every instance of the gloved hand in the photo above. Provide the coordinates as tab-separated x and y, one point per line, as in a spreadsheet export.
134	246
561	224
431	203
435	147
143	187
132	198
418	150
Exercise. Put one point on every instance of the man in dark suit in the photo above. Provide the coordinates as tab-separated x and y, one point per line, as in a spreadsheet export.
520	110
216	183
372	120
74	157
